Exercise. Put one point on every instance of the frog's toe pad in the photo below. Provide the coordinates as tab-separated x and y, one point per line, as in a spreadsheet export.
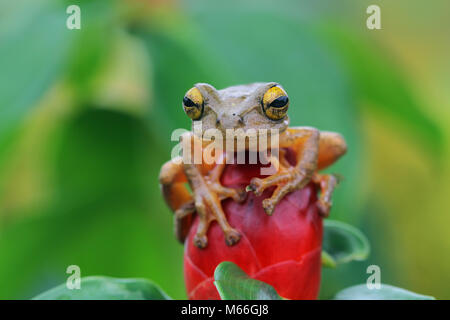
324	208
268	206
232	237
256	186
200	241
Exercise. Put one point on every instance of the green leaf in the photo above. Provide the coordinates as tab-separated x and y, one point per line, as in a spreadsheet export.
386	292
343	243
234	284
106	288
328	261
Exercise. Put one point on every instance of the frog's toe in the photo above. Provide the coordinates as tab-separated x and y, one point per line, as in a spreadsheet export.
237	195
200	241
241	195
256	186
279	193
268	206
324	207
232	237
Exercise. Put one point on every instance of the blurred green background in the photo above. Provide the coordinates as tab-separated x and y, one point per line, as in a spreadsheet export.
86	117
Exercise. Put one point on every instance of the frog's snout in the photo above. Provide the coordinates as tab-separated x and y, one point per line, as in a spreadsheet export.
229	121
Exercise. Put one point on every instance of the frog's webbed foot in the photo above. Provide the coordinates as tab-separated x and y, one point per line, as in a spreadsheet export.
208	206
286	180
208	195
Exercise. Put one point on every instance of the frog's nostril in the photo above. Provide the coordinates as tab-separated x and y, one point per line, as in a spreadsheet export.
229	121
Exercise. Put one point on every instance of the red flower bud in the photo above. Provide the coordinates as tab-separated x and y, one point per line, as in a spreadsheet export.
283	250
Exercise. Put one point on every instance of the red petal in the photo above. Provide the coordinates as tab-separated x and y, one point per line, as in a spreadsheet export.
192	275
206	290
286	235
217	251
295	280
282	250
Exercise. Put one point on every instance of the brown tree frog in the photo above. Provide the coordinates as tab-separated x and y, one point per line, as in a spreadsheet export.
259	106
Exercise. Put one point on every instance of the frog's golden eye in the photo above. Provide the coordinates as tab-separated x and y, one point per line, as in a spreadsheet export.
275	103
193	104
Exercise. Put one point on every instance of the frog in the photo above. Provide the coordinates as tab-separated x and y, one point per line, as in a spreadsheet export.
191	188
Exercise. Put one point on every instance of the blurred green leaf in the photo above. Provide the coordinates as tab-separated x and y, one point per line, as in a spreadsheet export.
38	50
106	288
176	67
380	85
343	243
93	45
327	260
386	292
234	284
34	50
100	154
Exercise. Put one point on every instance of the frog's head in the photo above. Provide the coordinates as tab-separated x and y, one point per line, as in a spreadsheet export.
252	106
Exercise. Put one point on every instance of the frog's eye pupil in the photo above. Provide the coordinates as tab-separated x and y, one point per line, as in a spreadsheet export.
188	102
280	102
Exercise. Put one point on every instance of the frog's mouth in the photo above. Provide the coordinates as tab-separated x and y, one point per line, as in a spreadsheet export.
236	140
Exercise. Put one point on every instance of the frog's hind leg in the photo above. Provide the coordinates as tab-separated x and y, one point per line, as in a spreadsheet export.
332	146
327	183
177	196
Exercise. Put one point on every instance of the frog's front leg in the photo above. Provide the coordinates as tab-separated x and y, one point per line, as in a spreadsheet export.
207	196
305	141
